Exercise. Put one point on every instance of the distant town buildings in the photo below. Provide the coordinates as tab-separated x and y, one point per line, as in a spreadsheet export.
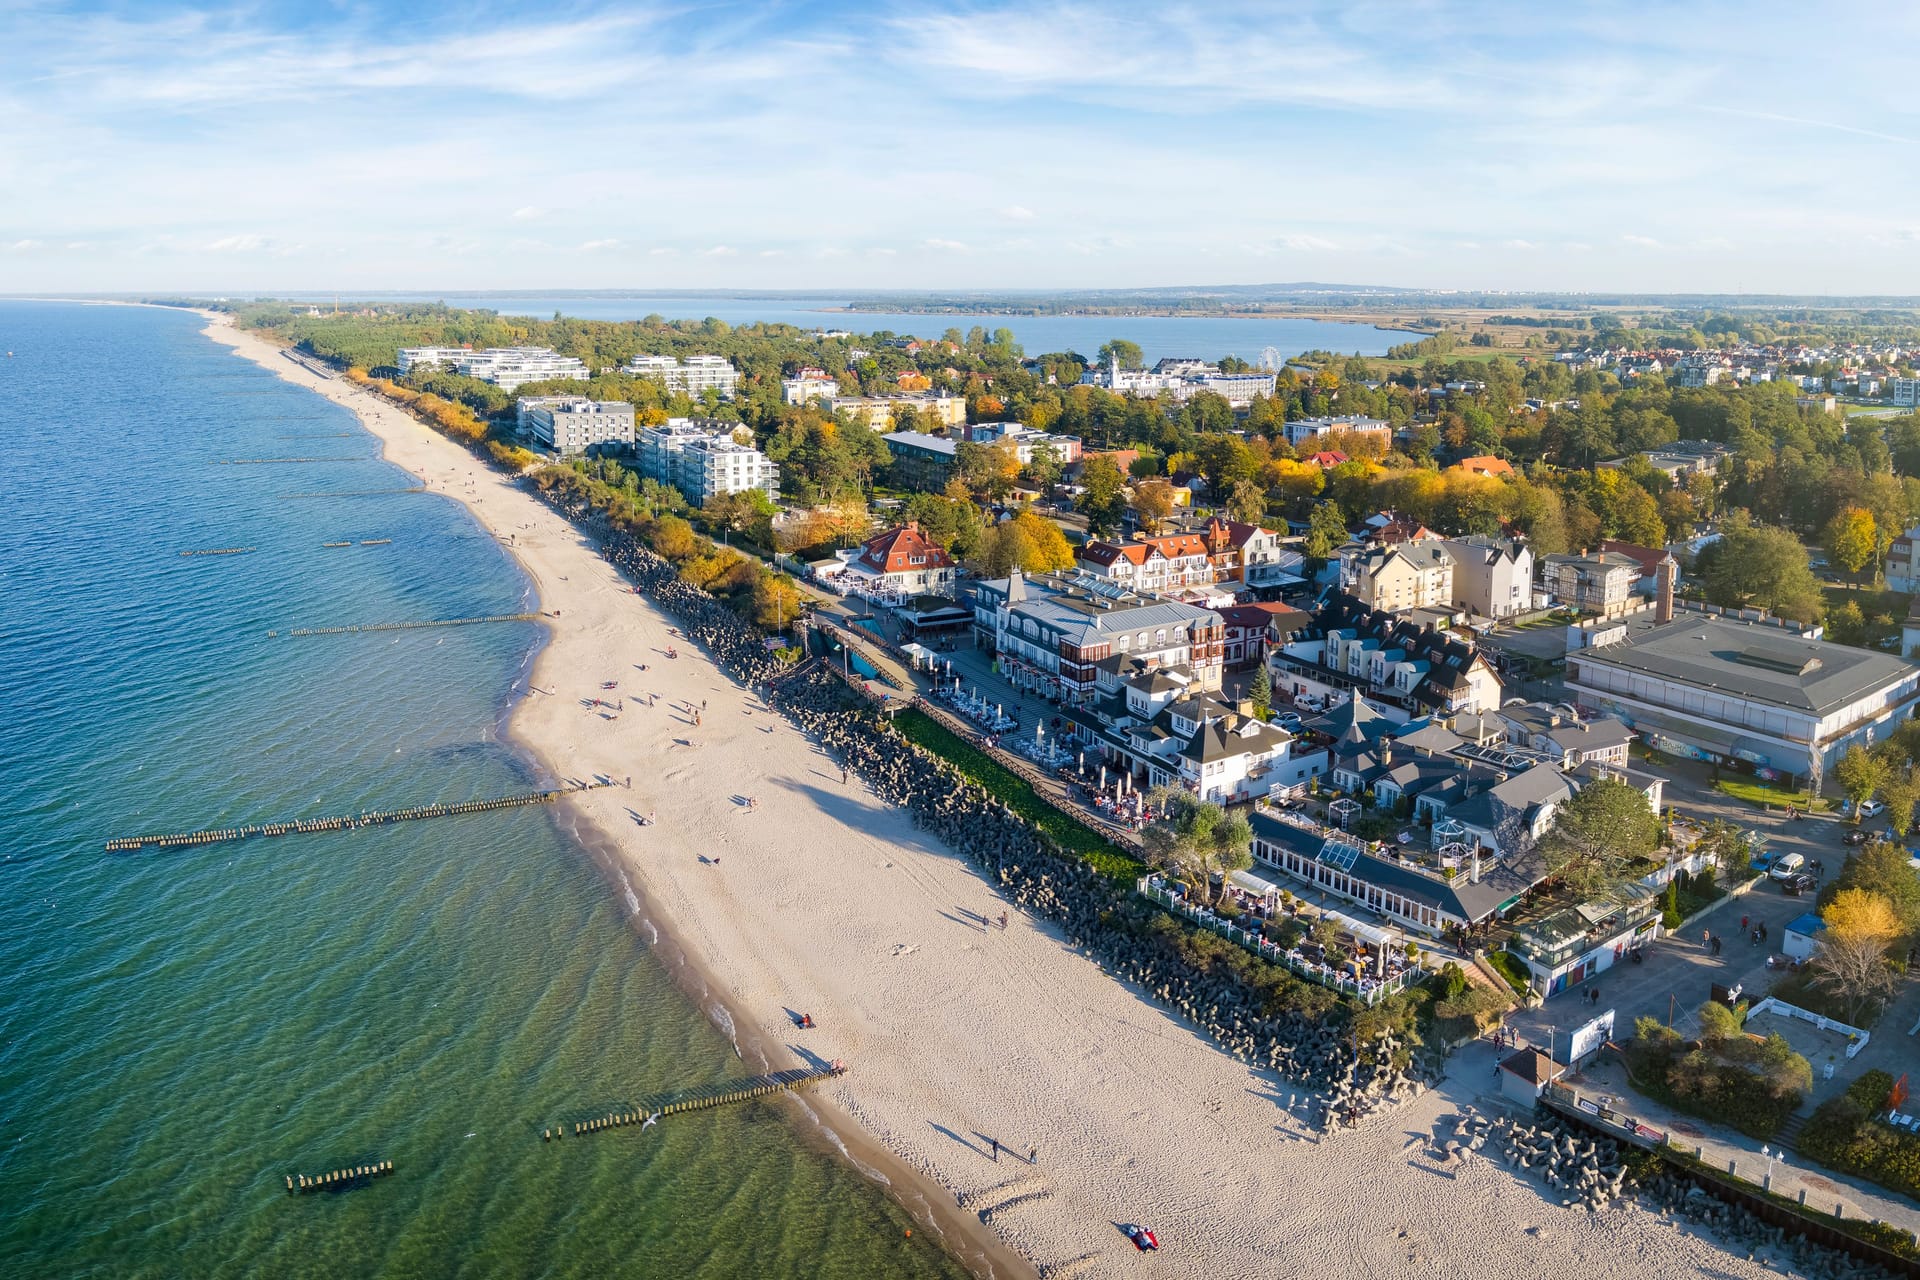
506	367
878	412
807	386
1682	458
1182	379
693	375
574	425
1307	430
701	458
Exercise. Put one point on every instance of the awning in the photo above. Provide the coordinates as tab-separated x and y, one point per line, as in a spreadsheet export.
1363	931
1254	884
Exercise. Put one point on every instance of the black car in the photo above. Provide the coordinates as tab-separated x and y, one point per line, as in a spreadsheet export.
1855	836
1798	883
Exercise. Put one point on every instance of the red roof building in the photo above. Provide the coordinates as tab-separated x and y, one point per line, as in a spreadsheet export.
900	562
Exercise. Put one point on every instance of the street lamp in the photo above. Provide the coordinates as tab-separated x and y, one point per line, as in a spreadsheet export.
1772	1155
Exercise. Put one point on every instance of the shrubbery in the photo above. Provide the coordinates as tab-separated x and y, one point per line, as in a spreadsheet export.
1726	1076
1843	1135
1513	969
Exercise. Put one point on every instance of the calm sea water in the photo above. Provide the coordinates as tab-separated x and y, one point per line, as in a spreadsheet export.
180	1030
1206	337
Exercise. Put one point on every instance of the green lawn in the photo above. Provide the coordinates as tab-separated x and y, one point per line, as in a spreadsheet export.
1076	837
1765	794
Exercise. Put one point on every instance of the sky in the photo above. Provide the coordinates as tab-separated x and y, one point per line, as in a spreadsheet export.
1011	144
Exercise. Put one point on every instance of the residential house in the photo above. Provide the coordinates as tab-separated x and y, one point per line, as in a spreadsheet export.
1493	577
1564	739
1903	562
1251	629
899	563
1072	636
1410	575
1650	559
1601	583
1486	465
1150	563
1417	669
1308	430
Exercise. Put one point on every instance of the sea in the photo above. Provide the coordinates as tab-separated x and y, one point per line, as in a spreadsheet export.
1203	337
182	1029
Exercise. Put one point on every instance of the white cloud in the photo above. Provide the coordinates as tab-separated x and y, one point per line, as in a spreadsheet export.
239	244
599	246
1523	245
25	246
720	251
953	246
1642	242
528	214
662	252
1017	213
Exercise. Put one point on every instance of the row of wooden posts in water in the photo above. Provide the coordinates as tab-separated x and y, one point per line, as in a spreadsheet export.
365	542
219	551
299	1183
405	626
268	462
356	493
719	1095
372	818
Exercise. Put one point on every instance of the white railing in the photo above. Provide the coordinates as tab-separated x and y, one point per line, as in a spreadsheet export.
1856	1038
1369	991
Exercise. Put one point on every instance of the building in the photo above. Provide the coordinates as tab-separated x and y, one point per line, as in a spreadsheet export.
1650	559
1571	947
1906	391
1183	378
1602	583
506	367
1745	693
701	458
1420	670
879	412
1251	629
1308	430
1251	555
1486	465
1903	562
574	425
807	386
900	563
1149	564
693	375
1565	740
1492	577
922	462
1683	458
1162	729
1072	637
1410	575
412	358
1024	440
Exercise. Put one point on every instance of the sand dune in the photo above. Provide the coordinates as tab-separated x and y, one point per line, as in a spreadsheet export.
818	899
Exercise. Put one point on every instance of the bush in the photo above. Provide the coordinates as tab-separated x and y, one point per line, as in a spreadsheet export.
1727	1076
1450	983
1844	1136
1513	969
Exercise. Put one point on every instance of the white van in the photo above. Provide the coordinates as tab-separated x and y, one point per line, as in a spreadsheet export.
1789	866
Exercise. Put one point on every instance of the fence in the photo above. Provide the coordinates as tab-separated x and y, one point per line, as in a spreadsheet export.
1369	991
1856	1038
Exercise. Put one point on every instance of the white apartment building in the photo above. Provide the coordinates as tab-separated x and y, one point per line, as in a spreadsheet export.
1307	430
692	375
506	367
573	425
809	386
877	411
701	458
412	358
1183	379
1491	576
1410	575
1906	391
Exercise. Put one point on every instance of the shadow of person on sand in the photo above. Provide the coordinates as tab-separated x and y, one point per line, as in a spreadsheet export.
942	1129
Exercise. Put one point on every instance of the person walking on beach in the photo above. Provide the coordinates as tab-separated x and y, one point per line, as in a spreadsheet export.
1033	1155
1003	922
996	1149
843	775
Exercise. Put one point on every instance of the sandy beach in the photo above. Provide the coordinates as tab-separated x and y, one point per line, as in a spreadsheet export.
794	892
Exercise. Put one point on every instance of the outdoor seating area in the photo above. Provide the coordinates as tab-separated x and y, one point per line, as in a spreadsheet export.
990	716
1377	968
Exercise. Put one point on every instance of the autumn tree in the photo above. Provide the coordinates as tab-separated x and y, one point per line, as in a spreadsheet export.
1850	539
1859	773
1104	496
1326	530
1901	791
1851	960
1761	566
1027	542
1152	504
1246	502
1600	837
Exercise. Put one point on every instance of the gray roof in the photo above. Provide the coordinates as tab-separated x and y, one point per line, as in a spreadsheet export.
916	440
1500	881
1756	663
1087	618
1591	735
1431	738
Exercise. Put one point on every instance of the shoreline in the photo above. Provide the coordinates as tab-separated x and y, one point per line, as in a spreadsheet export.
819	898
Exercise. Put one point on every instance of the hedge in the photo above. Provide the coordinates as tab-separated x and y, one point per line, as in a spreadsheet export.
1844	1136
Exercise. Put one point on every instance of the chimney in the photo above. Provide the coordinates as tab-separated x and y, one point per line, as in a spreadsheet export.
1663	592
1474	876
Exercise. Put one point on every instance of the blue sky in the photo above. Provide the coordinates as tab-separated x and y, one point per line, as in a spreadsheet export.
1015	143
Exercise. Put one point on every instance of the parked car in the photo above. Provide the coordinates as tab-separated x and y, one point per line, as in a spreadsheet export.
1872	809
1855	836
1788	866
1798	883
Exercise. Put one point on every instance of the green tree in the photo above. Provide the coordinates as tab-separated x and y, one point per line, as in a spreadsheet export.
1104	496
1260	691
1197	839
1127	353
1901	791
1763	566
1600	837
1881	869
1850	539
1859	773
1246	502
1152	504
1326	530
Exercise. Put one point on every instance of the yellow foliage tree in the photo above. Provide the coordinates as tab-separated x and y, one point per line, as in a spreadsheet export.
1861	915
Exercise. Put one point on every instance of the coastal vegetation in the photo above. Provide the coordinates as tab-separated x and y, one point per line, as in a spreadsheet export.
1726	1075
1846	1134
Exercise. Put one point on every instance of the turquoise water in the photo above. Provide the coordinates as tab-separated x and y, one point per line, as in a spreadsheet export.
180	1030
1207	337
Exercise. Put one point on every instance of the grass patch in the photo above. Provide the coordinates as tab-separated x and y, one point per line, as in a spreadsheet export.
1764	794
1513	969
1077	838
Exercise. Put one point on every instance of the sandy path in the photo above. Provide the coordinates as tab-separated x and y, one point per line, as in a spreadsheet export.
824	901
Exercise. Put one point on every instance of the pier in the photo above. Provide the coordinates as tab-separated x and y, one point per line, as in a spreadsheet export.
404	626
359	1175
372	818
220	551
355	493
719	1095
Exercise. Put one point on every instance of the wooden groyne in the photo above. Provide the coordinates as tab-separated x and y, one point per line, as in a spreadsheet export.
719	1095
275	462
220	551
336	544
371	818
338	1179
375	542
355	493
320	435
405	626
